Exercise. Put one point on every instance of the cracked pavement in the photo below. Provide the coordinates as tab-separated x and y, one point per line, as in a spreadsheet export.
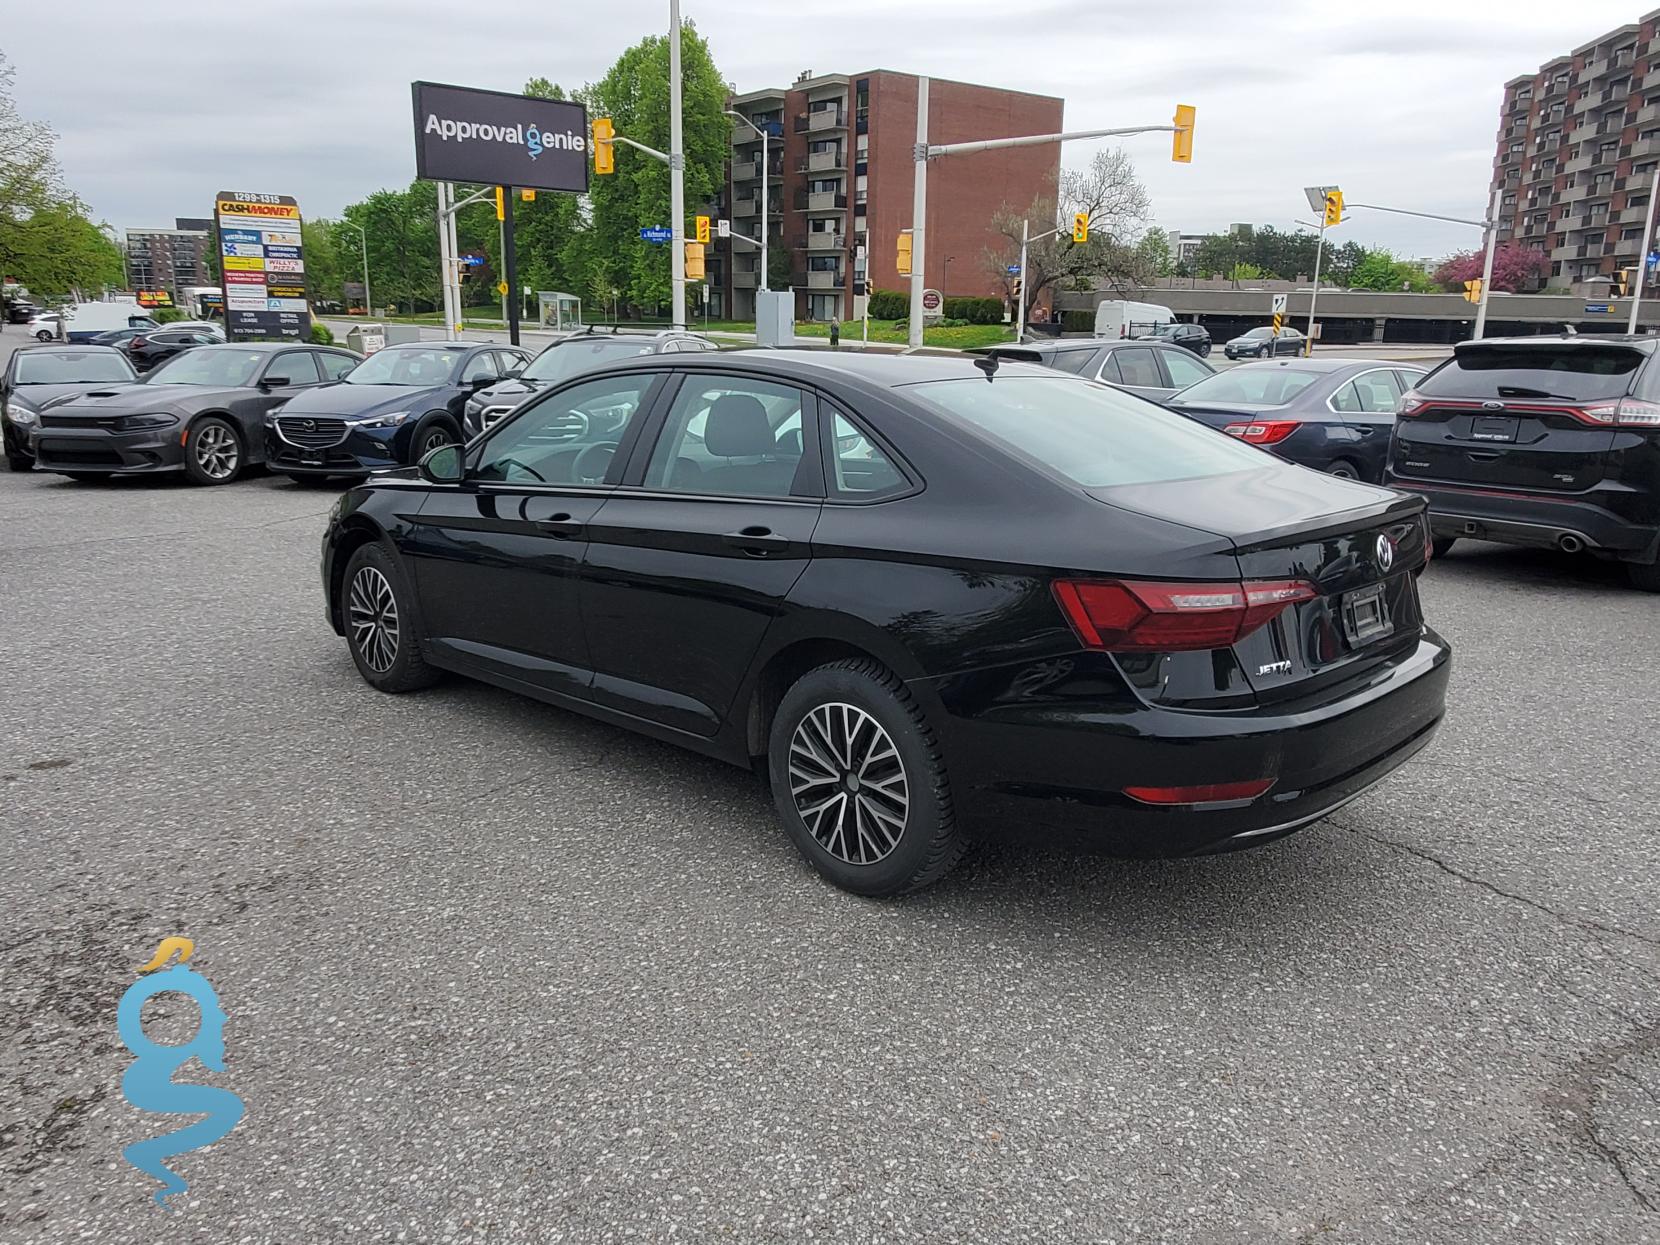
498	973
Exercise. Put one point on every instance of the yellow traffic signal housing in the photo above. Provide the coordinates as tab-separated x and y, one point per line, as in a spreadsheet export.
903	262
1334	207
1472	291
501	206
528	195
605	154
1622	282
694	261
1080	227
703	229
1181	142
1015	293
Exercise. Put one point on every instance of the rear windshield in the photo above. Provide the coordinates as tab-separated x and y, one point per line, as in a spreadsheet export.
1574	372
570	357
1094	436
1273	385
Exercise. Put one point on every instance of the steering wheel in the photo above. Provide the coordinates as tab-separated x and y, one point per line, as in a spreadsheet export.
523	466
592	464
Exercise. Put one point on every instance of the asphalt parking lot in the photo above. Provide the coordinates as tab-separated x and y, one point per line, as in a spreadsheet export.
495	972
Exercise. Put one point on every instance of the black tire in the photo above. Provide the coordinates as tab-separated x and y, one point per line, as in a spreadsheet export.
213	451
20	462
1645	577
1441	546
43	336
1343	469
370	570
927	843
1204	350
427	437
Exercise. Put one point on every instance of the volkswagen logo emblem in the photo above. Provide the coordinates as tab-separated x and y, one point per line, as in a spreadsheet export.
1492	406
1385	554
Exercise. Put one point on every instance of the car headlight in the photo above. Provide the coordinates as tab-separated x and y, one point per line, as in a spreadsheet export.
131	423
390	420
19	414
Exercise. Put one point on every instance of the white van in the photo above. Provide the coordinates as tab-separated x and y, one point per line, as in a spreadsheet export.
1117	317
84	321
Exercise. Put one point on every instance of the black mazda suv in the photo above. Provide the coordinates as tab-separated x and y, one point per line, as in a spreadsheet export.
1549	442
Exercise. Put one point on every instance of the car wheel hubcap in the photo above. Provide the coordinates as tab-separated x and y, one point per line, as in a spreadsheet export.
216	452
848	783
434	440
374	619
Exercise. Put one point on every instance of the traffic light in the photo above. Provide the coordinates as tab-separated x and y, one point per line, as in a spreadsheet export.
605	155
1014	294
702	229
501	205
1334	207
1080	227
1472	291
1622	283
694	261
904	260
1181	142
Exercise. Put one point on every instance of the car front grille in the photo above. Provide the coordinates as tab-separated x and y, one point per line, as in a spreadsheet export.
55	452
491	415
311	434
77	421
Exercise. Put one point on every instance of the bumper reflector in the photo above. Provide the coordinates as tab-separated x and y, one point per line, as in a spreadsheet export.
1207	793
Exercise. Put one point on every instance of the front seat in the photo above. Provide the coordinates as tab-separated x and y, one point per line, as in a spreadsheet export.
737	427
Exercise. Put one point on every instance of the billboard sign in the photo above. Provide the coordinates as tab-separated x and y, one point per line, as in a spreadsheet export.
492	138
262	267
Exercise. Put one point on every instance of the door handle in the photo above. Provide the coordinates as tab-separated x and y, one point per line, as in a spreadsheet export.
758	541
560	525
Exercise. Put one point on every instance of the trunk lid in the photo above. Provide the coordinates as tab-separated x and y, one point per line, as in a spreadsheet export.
1356	545
1510	415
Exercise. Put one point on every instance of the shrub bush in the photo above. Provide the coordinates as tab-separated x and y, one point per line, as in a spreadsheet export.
168	315
889	305
1077	321
321	334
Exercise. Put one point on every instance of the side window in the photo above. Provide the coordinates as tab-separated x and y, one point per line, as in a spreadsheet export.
672	346
509	361
334	366
298	366
1346	398
1109	371
569	437
1138	367
1378	394
733	436
1183	369
860	468
1074	361
482	367
1408	379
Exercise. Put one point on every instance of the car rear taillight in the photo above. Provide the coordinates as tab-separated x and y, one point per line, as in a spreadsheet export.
1208	793
138	341
1262	431
1136	616
1621	413
1411	403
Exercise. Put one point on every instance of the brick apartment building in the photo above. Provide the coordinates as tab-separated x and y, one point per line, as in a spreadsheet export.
1577	147
842	178
168	259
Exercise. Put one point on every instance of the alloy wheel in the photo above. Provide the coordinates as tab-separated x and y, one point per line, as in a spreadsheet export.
373	613
437	437
848	783
217	452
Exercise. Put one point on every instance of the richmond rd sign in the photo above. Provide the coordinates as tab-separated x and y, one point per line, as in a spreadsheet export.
495	139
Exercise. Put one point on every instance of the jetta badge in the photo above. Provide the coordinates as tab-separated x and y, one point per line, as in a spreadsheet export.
1385	553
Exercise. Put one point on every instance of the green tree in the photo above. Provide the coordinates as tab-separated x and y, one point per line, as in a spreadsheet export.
29	174
402	231
1154	251
58	251
321	252
635	95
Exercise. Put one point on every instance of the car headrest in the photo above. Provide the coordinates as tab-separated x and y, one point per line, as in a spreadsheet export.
737	427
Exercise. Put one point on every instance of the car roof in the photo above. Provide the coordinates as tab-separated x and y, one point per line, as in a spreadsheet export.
69	347
456	347
1326	364
883	370
1565	341
264	347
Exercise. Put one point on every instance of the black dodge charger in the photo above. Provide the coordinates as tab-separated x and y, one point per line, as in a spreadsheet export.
931	598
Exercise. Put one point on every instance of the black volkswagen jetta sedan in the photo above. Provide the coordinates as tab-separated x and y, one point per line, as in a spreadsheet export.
930	598
199	412
396	405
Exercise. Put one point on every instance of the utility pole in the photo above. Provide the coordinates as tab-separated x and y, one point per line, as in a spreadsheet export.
919	213
1642	255
1020	282
368	303
677	171
512	300
1487	269
446	262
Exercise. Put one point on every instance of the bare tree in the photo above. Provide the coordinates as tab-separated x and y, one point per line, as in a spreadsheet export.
1118	207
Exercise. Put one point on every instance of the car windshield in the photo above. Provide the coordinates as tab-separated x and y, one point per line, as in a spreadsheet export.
67	367
1271	385
1255	334
223	367
568	358
1094	436
415	368
1576	372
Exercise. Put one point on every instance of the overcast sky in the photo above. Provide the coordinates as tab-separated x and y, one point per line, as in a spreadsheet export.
1397	103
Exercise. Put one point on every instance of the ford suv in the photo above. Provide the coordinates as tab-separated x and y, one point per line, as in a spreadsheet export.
1552	442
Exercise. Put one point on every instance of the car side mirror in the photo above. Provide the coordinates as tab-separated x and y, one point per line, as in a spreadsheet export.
513	373
443	465
483	382
275	382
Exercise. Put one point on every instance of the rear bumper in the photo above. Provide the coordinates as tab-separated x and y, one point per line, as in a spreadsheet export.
1539	521
118	453
1058	772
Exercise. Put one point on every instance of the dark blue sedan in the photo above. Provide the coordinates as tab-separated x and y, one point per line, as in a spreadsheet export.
1334	415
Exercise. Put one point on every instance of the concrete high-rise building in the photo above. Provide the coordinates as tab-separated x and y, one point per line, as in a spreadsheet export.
168	259
1577	147
841	179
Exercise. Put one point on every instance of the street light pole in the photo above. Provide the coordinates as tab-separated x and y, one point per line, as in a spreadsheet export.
1020	281
1487	267
919	214
677	171
1314	294
766	172
1642	255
